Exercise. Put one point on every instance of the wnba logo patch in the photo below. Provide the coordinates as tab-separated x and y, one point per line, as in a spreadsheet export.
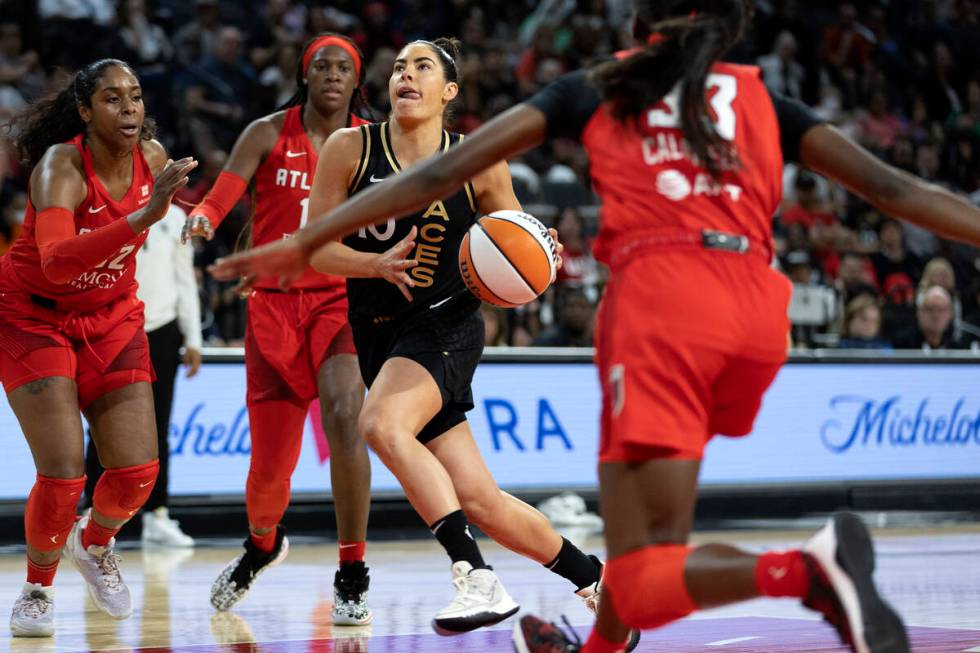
616	383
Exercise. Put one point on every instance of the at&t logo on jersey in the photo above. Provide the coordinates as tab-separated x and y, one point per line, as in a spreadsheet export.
674	185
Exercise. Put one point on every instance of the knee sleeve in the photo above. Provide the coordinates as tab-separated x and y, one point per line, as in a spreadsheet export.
50	511
647	585
122	491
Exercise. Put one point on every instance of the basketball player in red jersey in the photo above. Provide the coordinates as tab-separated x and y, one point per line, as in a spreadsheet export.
686	153
71	327
298	344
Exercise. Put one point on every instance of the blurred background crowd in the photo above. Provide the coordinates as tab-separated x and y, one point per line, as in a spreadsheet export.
900	76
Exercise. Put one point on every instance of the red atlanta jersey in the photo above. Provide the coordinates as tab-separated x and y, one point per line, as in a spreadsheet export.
109	279
649	181
282	194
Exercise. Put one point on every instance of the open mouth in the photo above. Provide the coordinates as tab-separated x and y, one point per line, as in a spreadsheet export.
130	130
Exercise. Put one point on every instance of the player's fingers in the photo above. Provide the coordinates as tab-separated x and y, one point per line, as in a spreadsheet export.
405	291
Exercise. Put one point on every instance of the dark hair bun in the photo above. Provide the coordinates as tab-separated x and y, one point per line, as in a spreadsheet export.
452	45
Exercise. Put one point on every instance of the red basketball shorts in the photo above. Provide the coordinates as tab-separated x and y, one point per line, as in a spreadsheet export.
102	350
687	343
289	335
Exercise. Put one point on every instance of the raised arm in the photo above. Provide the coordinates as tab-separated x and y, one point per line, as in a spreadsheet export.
58	187
252	146
825	150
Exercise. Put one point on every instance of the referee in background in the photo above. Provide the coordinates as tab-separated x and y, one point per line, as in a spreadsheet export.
168	288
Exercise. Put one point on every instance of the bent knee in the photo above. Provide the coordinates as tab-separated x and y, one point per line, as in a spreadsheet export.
483	508
383	434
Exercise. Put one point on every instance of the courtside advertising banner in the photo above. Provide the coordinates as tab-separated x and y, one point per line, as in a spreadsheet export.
537	425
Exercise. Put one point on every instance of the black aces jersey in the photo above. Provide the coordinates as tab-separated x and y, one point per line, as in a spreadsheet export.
441	228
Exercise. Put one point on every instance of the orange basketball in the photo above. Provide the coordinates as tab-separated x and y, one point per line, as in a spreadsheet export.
508	258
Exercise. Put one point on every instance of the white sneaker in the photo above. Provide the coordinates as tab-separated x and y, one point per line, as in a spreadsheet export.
99	566
160	530
480	600
592	594
33	614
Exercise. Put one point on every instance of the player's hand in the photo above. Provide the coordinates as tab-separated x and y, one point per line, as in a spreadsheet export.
561	248
285	259
192	361
171	179
244	287
393	267
196	225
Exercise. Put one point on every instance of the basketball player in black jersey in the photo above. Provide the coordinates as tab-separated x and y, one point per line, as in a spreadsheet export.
419	337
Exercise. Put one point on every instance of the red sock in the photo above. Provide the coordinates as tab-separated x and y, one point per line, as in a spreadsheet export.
782	574
599	644
351	551
265	543
97	534
41	574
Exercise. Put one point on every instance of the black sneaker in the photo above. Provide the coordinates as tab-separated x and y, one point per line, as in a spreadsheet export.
350	590
533	635
841	561
236	579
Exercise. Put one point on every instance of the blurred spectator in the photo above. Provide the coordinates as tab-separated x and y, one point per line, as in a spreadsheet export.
145	44
494	325
573	328
934	323
278	81
892	258
19	68
812	306
847	44
196	40
878	130
579	269
862	325
854	277
781	71
220	97
808	208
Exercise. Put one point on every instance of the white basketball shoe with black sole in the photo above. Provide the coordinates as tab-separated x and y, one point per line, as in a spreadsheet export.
480	601
236	579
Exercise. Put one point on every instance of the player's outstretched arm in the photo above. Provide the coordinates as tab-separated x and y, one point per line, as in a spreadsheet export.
253	145
509	134
827	151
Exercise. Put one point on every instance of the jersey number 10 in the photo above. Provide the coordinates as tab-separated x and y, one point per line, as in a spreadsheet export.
721	91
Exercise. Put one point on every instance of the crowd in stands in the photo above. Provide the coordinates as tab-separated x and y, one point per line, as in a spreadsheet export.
902	77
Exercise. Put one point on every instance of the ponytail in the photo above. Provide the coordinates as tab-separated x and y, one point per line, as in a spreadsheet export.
683	40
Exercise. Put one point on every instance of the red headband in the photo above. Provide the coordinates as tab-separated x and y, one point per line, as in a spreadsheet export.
323	42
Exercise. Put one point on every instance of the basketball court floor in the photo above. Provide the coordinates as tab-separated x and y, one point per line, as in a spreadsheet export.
931	575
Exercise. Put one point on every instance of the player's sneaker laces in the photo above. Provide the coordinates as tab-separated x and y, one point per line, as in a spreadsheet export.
350	590
591	595
160	530
480	600
841	561
99	566
236	579
533	635
33	614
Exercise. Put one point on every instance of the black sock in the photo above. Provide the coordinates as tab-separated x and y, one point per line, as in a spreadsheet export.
574	565
453	533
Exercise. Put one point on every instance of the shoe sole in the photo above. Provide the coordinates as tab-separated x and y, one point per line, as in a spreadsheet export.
274	562
347	621
846	554
24	632
460	625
